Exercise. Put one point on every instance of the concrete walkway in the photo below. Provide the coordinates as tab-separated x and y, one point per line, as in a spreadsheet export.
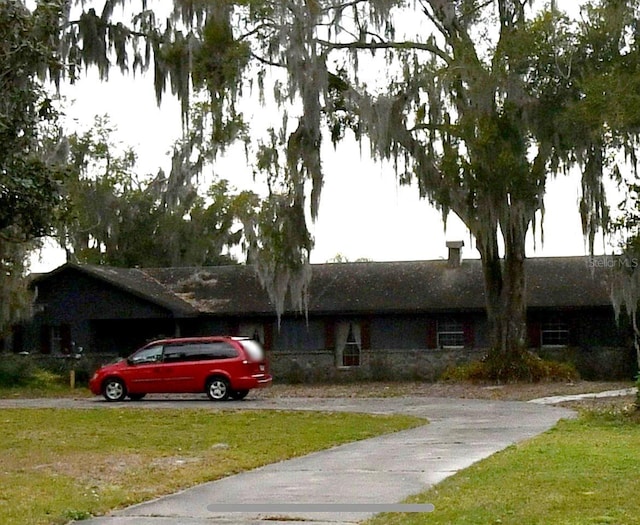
382	470
552	400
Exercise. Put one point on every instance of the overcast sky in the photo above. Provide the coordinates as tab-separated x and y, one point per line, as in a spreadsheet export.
363	212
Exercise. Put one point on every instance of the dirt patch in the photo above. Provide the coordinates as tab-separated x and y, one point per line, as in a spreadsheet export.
95	470
507	392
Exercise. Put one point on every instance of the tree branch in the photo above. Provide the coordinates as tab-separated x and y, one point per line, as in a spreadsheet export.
388	45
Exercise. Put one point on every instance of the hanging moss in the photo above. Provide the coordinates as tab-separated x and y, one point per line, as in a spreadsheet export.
279	248
92	31
479	106
219	60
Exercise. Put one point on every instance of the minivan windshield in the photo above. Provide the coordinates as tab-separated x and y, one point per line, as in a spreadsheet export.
253	348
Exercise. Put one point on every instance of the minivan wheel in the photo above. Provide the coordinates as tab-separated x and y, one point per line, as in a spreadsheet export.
218	389
239	394
114	390
136	397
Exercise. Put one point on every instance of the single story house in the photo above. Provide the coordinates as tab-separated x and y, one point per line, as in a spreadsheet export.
370	319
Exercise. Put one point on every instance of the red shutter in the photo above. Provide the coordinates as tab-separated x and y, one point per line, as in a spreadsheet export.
432	333
533	329
329	334
469	333
268	336
45	339
365	334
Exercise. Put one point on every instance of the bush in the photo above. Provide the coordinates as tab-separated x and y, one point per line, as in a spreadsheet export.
44	370
16	370
528	367
45	378
474	371
62	365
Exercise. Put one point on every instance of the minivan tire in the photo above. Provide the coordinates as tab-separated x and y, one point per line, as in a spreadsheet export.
218	389
136	397
114	389
239	394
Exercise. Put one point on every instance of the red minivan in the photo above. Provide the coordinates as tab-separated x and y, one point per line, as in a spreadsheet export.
223	367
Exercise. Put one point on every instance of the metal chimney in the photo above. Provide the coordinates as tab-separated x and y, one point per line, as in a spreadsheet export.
455	253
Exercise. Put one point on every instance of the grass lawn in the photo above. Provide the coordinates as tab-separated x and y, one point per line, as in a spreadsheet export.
49	390
57	464
583	471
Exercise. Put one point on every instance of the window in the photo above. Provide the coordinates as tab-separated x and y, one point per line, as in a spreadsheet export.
153	354
175	354
198	352
554	333
348	344
450	334
221	351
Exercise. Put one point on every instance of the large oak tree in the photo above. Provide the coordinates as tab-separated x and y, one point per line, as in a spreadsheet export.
477	101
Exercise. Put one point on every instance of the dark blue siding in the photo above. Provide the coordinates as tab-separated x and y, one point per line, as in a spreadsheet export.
298	335
398	333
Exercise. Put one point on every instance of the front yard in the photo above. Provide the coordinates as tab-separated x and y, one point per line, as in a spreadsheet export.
582	472
63	464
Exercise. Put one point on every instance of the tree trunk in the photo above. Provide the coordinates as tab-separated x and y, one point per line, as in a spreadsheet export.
505	291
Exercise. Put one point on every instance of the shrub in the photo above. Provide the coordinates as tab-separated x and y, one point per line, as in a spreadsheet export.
475	371
43	370
45	378
62	366
16	370
529	367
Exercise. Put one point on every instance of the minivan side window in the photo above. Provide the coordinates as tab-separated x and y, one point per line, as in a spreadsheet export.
176	353
153	354
198	352
222	350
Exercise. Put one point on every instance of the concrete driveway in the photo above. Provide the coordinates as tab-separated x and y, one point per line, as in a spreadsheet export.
350	481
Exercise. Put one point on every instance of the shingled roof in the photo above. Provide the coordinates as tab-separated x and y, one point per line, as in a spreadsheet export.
359	288
131	280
